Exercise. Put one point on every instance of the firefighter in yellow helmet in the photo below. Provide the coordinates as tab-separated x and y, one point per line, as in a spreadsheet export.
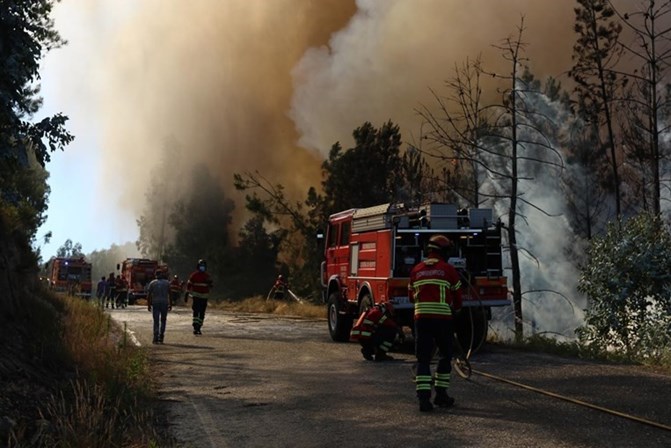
435	289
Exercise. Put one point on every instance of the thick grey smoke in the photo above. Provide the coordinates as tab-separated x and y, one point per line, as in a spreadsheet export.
382	64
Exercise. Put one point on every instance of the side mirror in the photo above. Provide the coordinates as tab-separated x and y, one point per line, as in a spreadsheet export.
118	266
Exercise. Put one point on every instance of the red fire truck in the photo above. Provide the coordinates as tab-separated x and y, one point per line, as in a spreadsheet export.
71	275
369	253
137	273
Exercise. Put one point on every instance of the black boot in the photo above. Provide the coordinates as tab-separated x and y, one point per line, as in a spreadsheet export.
367	354
443	400
382	356
425	405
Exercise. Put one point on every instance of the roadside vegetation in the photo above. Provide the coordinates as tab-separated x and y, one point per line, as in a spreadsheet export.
259	304
102	387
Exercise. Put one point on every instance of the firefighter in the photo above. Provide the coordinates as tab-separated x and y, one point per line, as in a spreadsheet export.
121	292
198	287
100	291
376	331
280	287
435	289
110	291
158	302
175	289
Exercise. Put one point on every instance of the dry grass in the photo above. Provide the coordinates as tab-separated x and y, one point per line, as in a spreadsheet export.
259	304
108	403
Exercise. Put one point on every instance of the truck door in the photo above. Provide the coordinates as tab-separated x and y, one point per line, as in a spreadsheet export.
337	250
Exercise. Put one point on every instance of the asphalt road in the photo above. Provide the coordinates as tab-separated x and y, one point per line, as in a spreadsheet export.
267	381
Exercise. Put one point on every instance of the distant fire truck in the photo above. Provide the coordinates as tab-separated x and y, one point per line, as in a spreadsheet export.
369	253
71	275
137	273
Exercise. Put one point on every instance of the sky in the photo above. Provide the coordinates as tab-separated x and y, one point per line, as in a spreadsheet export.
252	85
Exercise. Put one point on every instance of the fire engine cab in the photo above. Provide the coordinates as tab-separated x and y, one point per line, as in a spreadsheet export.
71	275
137	273
369	253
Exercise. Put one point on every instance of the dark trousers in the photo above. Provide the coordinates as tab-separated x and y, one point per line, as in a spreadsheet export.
430	333
160	312
111	297
198	306
381	341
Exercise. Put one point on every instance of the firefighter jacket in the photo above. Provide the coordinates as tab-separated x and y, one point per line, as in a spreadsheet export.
435	288
369	322
175	286
281	284
199	284
120	284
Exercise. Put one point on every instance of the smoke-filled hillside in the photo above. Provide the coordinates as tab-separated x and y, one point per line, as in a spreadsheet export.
269	86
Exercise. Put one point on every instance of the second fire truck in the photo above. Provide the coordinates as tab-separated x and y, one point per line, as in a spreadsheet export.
137	273
369	253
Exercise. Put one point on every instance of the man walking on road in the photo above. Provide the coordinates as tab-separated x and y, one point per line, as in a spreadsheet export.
435	289
158	301
100	291
198	287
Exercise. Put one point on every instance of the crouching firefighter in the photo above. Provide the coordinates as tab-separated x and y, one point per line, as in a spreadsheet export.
435	288
376	331
198	287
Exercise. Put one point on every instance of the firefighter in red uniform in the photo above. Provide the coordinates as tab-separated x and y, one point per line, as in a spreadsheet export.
435	289
376	331
198	287
175	290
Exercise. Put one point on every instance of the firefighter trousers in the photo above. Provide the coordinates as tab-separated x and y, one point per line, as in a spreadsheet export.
430	333
199	305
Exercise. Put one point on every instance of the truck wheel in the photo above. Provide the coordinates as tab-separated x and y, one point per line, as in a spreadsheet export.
339	325
131	299
471	328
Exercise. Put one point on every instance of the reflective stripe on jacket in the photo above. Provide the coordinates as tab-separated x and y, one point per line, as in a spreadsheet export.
435	289
199	284
368	322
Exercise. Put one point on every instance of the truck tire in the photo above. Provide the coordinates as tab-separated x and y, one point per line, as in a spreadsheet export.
339	325
471	329
131	299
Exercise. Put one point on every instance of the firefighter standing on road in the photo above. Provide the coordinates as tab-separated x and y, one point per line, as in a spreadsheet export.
175	290
376	331
435	289
110	291
198	287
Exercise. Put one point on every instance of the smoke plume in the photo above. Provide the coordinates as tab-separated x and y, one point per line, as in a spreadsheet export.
259	85
270	85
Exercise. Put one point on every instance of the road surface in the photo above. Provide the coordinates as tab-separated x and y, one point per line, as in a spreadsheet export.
268	381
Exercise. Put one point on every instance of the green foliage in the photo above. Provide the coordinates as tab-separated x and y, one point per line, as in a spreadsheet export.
255	269
68	249
298	223
367	174
201	222
26	33
628	283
